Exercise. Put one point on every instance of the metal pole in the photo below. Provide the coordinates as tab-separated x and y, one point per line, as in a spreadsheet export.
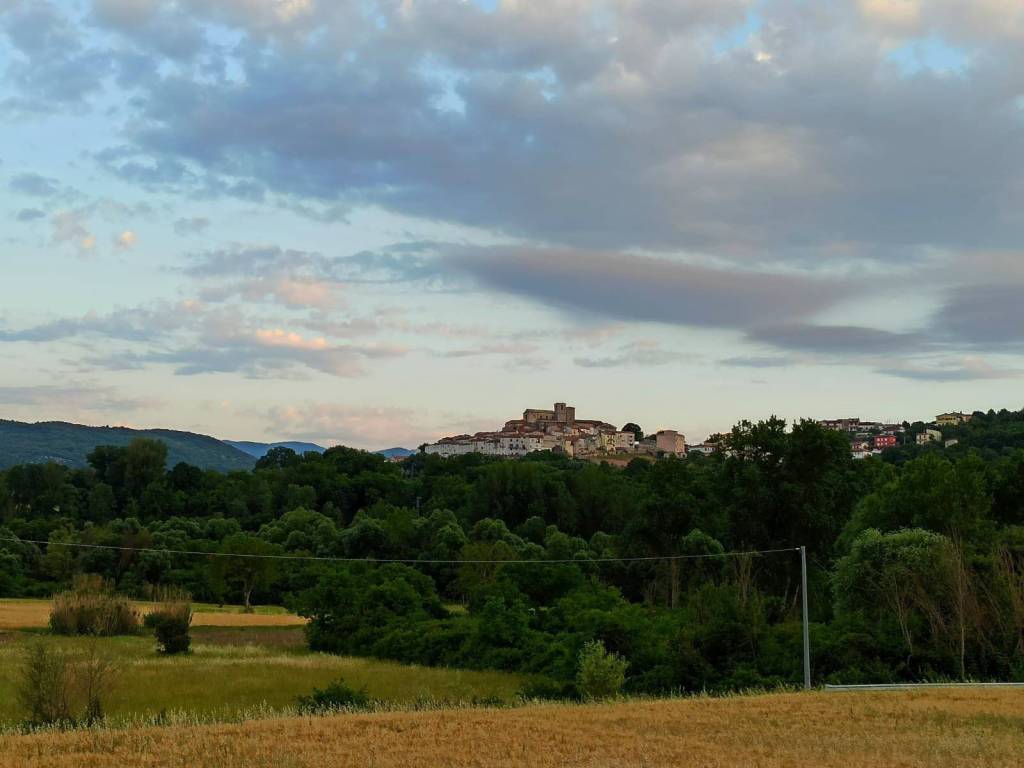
807	627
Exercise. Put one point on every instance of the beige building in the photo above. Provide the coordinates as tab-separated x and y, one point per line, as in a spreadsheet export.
952	419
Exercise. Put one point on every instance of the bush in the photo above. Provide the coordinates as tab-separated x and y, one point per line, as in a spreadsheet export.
92	608
337	695
52	683
170	622
600	674
45	686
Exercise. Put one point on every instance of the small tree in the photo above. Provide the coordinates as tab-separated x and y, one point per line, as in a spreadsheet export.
53	685
45	686
247	562
94	678
635	429
600	673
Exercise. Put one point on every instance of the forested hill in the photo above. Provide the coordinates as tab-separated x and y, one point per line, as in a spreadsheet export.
65	443
990	434
259	450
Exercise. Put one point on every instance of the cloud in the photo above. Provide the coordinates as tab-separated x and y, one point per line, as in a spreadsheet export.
35	185
194	338
754	361
291	293
354	425
970	369
129	324
641	288
71	227
51	66
71	398
632	128
126	240
989	315
402	262
30	214
837	340
193	225
640	354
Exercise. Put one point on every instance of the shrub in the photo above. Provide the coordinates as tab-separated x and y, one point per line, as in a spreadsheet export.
600	674
53	685
337	695
170	621
45	686
94	677
92	608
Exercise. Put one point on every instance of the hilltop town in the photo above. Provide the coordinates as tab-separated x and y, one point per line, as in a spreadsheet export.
558	430
870	438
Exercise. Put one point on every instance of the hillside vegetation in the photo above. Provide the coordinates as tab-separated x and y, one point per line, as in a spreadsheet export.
934	729
915	569
69	444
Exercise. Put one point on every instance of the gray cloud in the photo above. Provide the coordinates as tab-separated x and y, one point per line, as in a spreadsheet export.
950	372
837	340
631	128
251	360
649	127
754	361
404	262
132	324
642	288
51	66
641	354
193	339
984	314
29	214
88	397
34	184
191	226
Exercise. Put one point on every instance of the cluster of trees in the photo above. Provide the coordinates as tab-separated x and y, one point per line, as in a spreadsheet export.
916	565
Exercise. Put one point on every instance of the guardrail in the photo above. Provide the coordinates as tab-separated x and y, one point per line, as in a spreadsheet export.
911	686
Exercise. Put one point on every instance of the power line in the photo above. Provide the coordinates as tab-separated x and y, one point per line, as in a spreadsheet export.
407	561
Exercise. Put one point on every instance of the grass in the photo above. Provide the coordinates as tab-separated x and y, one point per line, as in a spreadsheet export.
936	728
35	614
231	670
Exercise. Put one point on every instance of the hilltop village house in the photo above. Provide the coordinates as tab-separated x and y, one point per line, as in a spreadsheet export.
870	438
559	430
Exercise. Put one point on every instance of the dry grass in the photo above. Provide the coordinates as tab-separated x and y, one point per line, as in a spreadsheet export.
35	614
937	729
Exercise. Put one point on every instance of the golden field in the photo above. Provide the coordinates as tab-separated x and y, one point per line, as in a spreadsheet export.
35	614
919	729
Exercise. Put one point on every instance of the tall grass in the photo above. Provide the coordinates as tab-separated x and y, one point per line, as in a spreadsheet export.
92	608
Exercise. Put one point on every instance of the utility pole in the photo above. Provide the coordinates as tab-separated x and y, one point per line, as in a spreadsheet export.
807	626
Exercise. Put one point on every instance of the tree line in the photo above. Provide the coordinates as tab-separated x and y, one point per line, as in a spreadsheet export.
916	562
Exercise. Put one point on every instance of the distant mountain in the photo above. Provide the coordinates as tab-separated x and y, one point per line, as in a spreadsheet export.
396	453
259	450
65	443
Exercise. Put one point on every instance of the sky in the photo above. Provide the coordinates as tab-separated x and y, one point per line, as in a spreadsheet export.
378	222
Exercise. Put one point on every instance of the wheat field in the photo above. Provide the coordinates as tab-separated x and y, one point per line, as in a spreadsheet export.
35	614
933	729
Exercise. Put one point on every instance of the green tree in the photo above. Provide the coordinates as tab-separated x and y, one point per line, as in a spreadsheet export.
144	463
600	673
248	562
